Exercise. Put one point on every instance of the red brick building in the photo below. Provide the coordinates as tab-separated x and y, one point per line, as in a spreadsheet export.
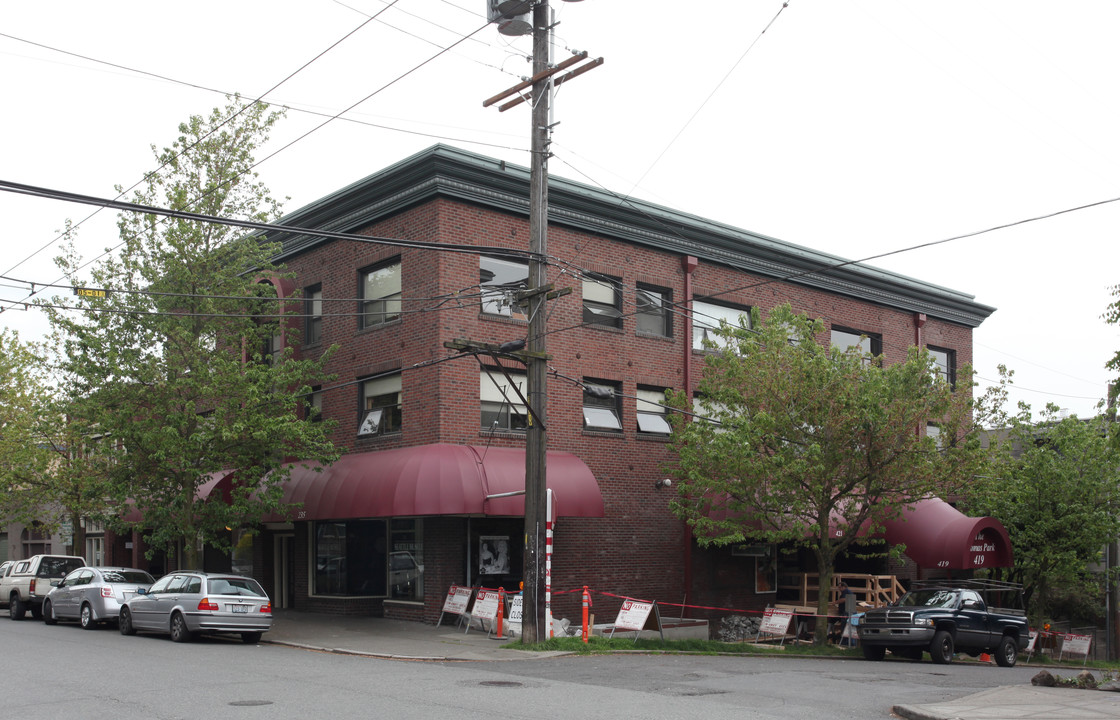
403	515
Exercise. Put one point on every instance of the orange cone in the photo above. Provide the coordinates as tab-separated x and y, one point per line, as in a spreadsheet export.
985	657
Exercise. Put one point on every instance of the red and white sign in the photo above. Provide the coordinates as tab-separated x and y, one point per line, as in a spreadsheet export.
1076	644
457	600
485	604
775	622
632	615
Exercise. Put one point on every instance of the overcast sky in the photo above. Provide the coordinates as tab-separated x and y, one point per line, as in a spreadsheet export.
856	127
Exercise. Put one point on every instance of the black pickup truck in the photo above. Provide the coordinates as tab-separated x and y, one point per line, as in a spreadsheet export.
970	616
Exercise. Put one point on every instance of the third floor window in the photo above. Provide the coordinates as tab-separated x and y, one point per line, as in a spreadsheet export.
380	294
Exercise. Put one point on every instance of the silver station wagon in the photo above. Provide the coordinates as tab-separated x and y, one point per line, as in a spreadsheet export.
93	595
185	604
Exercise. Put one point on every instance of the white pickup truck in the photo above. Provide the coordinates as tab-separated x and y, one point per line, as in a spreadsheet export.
28	581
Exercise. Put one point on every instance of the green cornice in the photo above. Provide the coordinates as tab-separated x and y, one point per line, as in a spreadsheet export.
444	171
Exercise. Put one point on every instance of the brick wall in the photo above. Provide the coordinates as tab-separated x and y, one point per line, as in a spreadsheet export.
639	548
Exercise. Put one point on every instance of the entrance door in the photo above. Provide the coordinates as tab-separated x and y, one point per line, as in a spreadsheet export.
283	561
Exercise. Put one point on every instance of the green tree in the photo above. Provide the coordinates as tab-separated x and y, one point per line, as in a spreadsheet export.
805	445
1055	489
46	478
174	365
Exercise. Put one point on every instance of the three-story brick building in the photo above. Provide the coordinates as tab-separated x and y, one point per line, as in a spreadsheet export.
404	514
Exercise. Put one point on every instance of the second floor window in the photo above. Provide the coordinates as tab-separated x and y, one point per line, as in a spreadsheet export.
602	406
381	405
313	309
313	405
502	408
602	301
652	415
380	295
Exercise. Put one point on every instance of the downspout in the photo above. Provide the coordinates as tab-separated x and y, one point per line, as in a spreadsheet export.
919	323
688	264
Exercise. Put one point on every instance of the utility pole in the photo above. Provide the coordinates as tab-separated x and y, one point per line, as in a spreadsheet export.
535	621
535	624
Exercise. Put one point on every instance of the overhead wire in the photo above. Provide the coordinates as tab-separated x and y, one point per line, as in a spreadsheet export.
321	125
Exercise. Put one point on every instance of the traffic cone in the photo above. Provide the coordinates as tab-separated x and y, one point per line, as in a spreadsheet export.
985	657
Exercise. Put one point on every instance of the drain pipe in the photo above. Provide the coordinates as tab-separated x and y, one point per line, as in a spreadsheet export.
688	264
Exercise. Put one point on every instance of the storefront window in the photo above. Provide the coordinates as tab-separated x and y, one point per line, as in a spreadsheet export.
241	561
406	559
350	558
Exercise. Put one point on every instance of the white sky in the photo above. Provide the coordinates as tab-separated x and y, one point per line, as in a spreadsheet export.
857	127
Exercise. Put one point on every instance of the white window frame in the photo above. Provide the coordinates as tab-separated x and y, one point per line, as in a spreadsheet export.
493	389
508	277
601	413
706	319
651	412
372	418
380	294
313	307
602	300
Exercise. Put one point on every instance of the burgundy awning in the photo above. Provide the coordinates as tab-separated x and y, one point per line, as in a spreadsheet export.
437	479
937	535
221	480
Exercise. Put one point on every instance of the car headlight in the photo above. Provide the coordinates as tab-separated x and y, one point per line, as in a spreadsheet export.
923	622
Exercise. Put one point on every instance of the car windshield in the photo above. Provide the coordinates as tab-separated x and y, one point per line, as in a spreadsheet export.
929	598
236	586
127	576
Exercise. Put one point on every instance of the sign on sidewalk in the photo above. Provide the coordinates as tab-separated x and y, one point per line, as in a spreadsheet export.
456	602
638	615
775	622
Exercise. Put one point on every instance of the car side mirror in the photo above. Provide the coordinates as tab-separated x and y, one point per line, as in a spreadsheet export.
141	591
56	583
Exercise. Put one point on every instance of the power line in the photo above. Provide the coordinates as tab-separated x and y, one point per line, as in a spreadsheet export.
47	193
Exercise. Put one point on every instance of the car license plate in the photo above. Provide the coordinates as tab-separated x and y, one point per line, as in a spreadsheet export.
239	608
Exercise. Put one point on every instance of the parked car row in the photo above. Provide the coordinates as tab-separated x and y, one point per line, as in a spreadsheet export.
181	604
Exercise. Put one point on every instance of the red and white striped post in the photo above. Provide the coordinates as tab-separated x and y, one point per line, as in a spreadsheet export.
548	560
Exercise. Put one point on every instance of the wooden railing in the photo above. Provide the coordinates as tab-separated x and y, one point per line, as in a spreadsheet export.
869	590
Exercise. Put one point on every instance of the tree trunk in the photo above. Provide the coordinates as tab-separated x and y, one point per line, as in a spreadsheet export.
824	586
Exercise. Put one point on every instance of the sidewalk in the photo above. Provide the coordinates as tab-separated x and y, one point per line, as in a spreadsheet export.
396	639
1020	702
403	640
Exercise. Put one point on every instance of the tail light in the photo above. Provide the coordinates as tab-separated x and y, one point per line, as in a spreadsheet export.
266	608
31	587
107	592
205	604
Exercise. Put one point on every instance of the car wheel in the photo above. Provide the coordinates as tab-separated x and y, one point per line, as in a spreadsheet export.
86	617
1007	652
251	637
48	613
124	622
16	607
874	652
941	649
179	631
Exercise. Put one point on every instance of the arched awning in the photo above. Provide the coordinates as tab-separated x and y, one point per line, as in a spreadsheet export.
937	535
221	481
440	479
